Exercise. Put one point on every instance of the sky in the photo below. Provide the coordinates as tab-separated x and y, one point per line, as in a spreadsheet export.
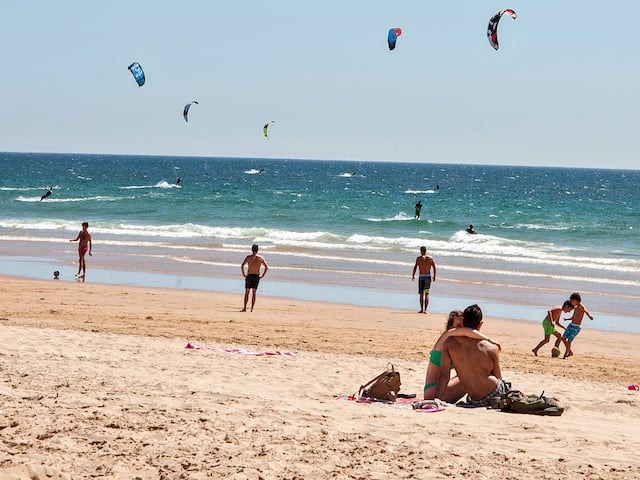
561	91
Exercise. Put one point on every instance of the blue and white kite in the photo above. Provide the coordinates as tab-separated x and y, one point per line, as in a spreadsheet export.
137	72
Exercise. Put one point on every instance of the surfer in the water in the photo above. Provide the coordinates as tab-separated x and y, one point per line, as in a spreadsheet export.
418	209
178	181
46	194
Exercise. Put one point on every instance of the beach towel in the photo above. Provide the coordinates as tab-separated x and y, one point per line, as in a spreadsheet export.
239	351
423	406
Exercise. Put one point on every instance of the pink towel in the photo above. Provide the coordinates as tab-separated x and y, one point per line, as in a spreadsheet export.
425	406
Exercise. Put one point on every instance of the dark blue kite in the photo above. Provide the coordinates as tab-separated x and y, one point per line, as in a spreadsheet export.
137	72
185	111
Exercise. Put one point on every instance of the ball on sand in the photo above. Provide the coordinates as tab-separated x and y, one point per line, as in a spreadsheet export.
555	352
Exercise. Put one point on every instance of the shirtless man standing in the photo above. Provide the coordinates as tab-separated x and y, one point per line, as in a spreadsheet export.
477	363
424	264
252	277
83	246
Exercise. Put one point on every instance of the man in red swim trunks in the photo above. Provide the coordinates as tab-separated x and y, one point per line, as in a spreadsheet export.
84	246
252	277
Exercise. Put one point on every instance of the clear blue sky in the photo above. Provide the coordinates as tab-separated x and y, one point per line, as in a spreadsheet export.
562	89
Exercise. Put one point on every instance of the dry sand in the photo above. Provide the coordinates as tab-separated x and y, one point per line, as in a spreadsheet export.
95	382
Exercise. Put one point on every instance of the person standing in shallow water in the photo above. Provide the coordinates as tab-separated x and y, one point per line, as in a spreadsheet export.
424	264
84	246
254	263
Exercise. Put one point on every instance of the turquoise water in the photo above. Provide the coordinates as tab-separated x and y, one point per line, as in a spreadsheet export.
541	231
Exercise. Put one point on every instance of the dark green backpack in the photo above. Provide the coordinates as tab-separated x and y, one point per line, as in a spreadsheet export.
517	402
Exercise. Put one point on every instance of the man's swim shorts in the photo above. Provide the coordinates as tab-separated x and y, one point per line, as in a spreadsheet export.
252	280
424	283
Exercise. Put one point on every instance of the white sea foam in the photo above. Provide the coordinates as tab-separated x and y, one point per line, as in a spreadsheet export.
416	192
477	248
165	184
20	189
252	171
402	216
97	198
536	226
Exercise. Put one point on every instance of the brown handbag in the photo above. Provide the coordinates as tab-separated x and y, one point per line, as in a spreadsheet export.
384	387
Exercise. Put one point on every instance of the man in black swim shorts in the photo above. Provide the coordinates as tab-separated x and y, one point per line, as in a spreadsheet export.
254	263
424	265
252	281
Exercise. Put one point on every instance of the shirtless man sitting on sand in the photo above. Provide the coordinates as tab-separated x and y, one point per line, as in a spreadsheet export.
477	363
252	277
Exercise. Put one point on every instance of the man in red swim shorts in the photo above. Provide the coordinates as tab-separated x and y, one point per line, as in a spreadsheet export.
84	246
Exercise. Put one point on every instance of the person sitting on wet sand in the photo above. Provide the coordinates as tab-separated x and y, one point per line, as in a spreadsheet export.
454	328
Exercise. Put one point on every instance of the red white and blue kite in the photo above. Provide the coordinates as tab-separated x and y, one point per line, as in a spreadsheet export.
492	30
394	33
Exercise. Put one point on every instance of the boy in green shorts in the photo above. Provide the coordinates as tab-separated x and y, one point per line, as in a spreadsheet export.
549	324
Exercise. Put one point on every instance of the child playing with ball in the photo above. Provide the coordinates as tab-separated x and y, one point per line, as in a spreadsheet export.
573	329
549	325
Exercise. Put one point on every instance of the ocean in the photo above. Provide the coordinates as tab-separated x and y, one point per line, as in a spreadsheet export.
340	231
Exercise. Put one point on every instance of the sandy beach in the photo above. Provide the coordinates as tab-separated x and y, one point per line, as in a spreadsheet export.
96	382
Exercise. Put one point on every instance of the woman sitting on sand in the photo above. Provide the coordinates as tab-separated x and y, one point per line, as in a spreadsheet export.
453	327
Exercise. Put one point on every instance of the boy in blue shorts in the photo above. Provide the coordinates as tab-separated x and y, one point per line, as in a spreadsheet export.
573	329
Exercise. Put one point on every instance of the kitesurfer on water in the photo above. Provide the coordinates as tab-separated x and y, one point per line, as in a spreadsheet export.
46	194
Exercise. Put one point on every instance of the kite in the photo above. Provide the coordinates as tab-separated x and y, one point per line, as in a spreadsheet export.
394	33
492	30
137	72
264	129
185	112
